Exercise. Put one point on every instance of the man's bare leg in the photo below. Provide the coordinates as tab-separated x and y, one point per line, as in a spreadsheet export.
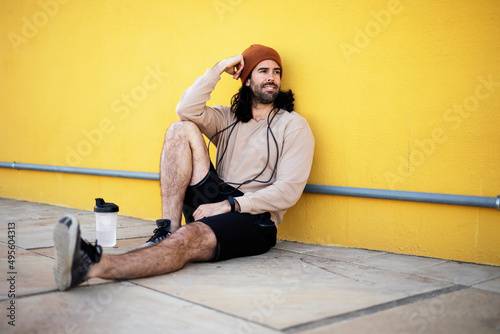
191	243
184	161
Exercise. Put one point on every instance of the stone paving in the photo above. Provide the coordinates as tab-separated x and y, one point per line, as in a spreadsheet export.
294	288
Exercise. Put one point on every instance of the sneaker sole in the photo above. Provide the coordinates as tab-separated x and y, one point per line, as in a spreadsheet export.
147	244
66	234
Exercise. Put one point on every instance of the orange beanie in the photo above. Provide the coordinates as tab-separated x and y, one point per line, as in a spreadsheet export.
254	55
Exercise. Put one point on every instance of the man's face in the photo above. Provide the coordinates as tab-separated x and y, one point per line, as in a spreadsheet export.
265	81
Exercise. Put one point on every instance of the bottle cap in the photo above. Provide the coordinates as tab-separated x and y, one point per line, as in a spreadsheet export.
101	206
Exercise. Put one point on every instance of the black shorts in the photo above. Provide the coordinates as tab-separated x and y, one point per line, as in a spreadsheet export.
238	234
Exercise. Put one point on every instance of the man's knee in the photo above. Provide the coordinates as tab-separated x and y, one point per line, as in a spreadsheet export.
197	239
197	231
185	136
182	129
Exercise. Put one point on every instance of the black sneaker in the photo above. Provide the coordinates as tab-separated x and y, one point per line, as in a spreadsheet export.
74	256
160	233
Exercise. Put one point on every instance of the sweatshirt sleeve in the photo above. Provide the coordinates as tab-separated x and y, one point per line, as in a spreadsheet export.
293	170
193	105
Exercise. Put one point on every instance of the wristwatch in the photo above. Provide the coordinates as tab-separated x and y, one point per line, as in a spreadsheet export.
231	202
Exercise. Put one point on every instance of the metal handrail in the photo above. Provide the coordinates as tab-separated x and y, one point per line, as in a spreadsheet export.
398	195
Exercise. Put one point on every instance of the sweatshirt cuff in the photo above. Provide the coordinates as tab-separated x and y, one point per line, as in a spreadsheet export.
245	204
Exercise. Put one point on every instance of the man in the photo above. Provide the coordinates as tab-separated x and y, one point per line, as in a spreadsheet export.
264	156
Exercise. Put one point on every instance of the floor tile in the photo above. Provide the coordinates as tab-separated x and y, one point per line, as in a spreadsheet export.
344	253
293	288
33	273
122	246
296	247
38	233
399	263
491	285
330	252
14	211
119	308
460	273
127	227
48	252
467	311
282	289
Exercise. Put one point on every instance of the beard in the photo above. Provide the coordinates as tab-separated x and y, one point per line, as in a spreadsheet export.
262	96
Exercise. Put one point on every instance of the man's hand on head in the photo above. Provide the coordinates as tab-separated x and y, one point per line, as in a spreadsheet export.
232	66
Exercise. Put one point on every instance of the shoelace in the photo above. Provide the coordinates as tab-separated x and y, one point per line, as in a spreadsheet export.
94	252
159	234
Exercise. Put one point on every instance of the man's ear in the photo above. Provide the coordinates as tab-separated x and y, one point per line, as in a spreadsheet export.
247	83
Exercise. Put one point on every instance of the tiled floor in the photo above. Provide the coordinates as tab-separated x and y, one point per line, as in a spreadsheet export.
294	288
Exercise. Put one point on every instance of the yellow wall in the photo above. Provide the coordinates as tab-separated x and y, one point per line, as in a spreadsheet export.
400	94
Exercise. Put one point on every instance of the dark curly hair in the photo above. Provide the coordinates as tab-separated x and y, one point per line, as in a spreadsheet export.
241	103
